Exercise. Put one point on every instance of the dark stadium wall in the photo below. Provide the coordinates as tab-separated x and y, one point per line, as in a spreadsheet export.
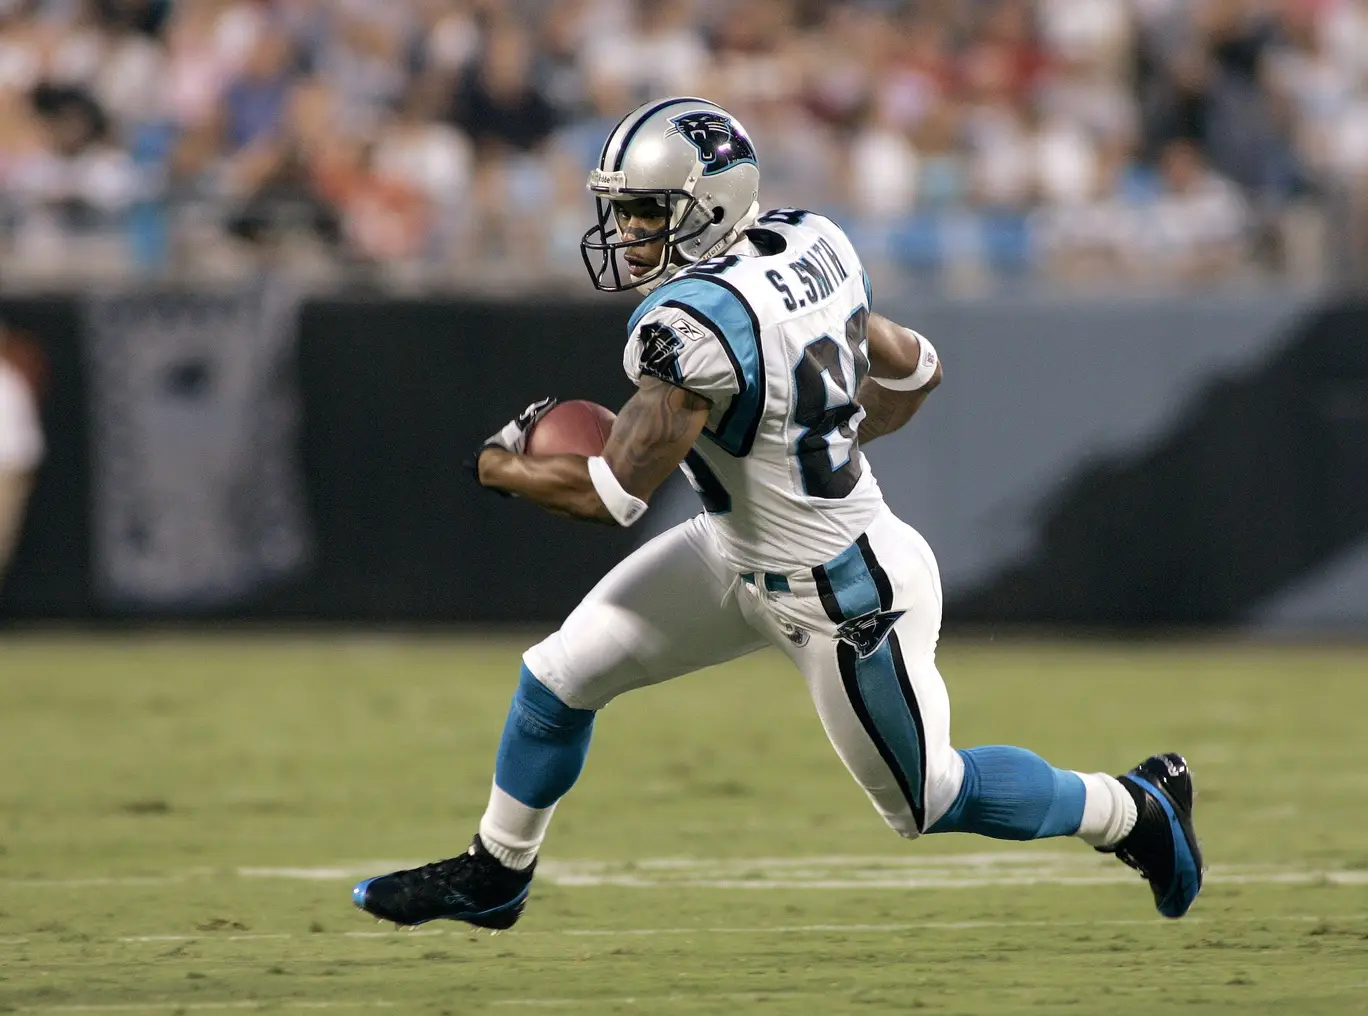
396	398
1258	485
393	397
1124	463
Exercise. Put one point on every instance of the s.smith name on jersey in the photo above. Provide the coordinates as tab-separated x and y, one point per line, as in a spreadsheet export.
773	334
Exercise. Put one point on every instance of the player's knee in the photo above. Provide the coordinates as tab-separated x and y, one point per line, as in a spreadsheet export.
905	825
539	712
556	671
593	657
944	780
941	787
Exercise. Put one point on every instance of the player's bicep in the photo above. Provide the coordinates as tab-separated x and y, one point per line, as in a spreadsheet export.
653	433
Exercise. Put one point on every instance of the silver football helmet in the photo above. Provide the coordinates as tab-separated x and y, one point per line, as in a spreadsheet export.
697	161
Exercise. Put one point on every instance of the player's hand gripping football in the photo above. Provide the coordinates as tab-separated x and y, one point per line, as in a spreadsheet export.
512	436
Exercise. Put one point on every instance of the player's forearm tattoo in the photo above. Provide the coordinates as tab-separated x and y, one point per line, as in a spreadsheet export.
652	434
887	410
879	409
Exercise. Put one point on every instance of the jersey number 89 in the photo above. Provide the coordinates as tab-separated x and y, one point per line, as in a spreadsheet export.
822	422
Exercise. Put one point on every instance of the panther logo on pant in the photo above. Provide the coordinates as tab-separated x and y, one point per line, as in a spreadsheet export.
868	631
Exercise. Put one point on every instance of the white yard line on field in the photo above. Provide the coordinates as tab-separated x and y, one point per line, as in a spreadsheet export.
853	929
778	929
328	874
960	871
693	996
93	883
197	938
286	1003
837	872
1341	878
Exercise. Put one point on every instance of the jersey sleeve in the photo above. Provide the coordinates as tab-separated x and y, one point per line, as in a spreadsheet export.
673	344
702	333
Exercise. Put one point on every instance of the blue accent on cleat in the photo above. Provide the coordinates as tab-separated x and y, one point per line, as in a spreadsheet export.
359	892
1162	845
1187	872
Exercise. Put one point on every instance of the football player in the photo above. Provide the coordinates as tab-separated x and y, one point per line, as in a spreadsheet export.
761	370
21	439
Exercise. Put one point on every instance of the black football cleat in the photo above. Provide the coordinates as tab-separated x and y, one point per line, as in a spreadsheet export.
473	887
1162	845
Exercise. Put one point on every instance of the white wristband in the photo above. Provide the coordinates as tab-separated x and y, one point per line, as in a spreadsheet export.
620	504
919	378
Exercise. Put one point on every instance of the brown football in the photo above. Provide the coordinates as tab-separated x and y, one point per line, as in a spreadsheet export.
576	427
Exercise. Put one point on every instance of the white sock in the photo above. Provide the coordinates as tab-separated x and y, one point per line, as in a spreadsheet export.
512	831
1108	810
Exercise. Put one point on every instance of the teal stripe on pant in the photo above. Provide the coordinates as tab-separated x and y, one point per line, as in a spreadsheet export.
852	584
877	679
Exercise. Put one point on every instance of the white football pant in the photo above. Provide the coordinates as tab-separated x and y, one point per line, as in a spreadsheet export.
674	606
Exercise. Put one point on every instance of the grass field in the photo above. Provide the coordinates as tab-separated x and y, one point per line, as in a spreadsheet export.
181	820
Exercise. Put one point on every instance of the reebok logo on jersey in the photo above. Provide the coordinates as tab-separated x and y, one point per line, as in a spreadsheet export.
687	330
868	631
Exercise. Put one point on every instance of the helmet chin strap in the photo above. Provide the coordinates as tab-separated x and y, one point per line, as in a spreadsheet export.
663	275
734	234
665	272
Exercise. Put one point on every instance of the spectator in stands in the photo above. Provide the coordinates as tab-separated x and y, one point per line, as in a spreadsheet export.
199	63
361	55
383	218
497	104
1096	240
277	183
73	181
1198	226
435	160
927	121
562	77
657	52
254	103
1005	55
1096	33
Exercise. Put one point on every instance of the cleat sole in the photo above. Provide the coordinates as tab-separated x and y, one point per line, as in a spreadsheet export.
1188	865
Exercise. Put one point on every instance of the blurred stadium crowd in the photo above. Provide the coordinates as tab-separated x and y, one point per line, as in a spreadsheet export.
965	142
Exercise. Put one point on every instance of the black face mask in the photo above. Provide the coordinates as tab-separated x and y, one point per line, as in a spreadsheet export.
605	240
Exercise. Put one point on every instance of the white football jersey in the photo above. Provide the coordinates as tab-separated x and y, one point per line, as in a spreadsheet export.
774	334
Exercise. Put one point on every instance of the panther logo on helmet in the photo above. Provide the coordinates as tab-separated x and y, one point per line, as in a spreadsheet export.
719	142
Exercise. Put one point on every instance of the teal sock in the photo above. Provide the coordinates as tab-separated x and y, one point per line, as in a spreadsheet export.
1014	794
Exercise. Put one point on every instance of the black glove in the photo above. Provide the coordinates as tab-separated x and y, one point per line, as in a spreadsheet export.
512	436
